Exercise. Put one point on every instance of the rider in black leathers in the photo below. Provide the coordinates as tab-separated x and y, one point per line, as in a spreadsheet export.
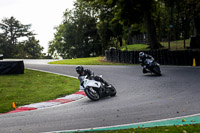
83	72
142	58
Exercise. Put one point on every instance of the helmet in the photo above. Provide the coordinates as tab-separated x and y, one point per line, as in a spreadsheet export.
141	54
79	69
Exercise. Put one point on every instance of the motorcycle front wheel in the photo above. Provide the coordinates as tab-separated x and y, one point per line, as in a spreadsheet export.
92	94
156	70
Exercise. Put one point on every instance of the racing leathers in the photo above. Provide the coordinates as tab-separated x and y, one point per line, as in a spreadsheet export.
89	73
142	60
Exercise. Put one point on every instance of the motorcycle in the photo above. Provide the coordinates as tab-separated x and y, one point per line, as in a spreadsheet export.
95	89
152	66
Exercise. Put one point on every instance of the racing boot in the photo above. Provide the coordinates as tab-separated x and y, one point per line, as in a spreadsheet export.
145	70
107	87
107	84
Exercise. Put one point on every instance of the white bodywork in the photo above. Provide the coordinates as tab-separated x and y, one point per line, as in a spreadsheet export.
90	83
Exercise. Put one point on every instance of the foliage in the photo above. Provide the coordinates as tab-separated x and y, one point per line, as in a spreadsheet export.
184	18
129	12
32	48
117	21
135	47
77	35
32	87
175	45
13	40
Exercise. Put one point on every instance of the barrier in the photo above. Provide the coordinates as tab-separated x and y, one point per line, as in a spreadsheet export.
163	57
1	56
11	67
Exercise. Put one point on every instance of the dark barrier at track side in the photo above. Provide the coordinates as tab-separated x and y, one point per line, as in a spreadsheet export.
163	57
11	67
1	56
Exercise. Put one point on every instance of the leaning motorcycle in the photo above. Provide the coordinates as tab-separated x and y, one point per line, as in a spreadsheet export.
95	89
152	66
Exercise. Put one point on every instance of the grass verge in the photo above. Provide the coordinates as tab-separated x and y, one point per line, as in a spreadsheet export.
174	45
163	129
87	61
136	47
32	87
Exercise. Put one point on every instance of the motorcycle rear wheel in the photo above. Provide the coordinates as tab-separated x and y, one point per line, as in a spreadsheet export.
113	91
92	94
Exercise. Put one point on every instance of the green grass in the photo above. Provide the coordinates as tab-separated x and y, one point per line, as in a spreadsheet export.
32	87
174	45
87	61
136	47
164	129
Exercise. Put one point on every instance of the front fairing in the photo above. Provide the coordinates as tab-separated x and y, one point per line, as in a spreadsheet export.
91	83
150	63
81	79
85	82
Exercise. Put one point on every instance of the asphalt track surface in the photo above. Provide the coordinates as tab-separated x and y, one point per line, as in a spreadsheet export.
139	98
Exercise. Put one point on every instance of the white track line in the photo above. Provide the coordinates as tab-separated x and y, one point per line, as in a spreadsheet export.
123	125
53	72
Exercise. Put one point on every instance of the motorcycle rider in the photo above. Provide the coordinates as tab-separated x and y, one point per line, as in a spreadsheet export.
83	72
142	58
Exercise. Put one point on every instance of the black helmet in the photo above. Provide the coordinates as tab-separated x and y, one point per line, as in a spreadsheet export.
141	54
79	69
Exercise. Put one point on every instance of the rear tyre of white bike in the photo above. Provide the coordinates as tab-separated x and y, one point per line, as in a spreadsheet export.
113	91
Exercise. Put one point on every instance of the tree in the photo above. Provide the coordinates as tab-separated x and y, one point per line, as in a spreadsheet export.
139	11
131	12
77	35
109	30
32	48
185	17
193	9
104	26
149	7
13	30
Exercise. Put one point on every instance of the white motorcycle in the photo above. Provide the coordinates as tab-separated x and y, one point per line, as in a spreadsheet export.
95	89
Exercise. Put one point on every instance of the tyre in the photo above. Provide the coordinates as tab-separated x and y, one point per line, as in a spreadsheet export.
156	70
92	94
113	91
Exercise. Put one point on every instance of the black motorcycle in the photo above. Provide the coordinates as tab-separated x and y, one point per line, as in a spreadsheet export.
152	66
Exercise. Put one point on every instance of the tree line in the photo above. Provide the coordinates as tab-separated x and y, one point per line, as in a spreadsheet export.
95	25
17	41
